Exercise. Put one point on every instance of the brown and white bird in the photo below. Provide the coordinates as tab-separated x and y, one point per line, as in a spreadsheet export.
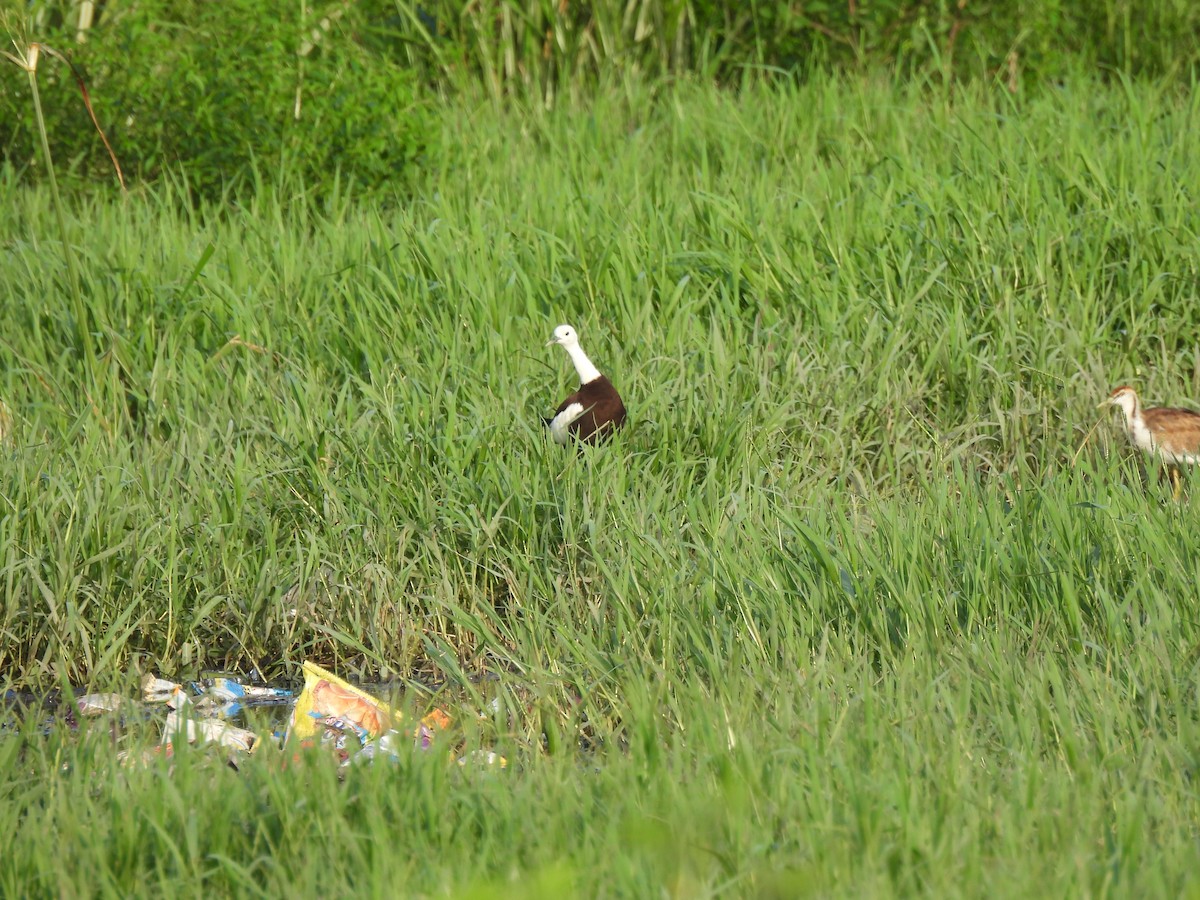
593	412
1170	433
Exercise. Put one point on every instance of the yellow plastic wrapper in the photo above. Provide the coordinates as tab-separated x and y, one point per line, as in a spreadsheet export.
325	696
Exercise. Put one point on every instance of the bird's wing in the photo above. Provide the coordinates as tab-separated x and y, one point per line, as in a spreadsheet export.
1176	431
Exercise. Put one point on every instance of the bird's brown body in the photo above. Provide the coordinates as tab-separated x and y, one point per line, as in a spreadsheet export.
1170	433
1175	433
603	412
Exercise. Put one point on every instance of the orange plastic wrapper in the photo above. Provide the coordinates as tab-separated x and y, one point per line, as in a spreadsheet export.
327	699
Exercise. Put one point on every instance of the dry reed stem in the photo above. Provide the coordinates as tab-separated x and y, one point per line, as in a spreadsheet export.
87	102
1087	437
237	341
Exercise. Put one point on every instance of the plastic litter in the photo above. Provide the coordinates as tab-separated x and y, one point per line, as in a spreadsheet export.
128	758
98	704
328	701
328	712
156	690
208	731
483	758
232	689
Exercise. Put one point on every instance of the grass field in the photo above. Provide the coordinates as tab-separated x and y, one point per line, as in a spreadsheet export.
852	607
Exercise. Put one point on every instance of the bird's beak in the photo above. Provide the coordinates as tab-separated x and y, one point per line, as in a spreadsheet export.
551	342
1103	403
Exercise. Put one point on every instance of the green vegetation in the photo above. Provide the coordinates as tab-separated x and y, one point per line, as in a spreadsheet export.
553	46
350	90
851	607
211	93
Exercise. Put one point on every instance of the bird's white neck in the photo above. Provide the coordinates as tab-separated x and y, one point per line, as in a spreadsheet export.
1139	433
583	365
1132	409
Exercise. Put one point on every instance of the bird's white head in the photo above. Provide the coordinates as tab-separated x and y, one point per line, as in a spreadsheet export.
1124	397
564	335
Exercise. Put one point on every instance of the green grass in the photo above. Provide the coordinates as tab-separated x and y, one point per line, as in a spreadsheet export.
845	610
